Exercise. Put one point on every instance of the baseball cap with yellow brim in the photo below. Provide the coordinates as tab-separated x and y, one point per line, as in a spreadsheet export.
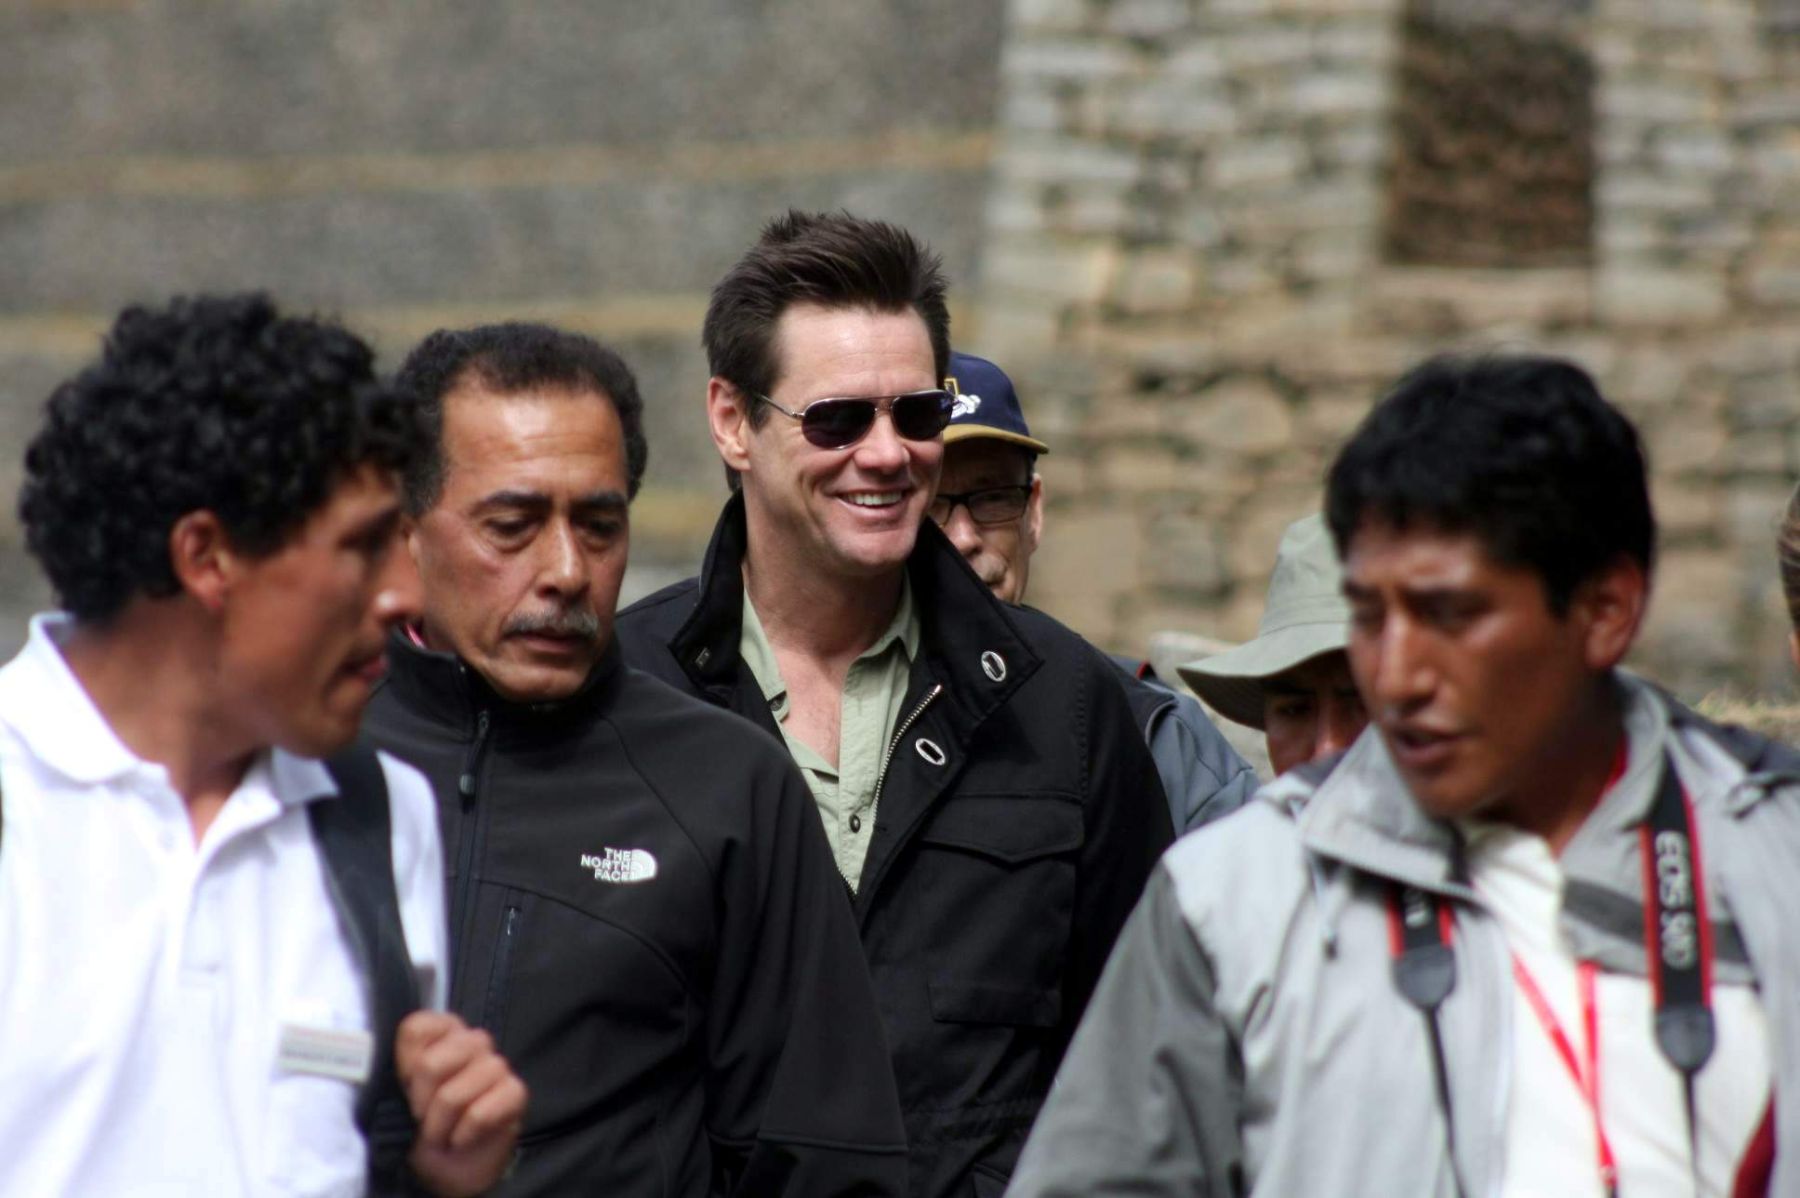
985	405
1305	616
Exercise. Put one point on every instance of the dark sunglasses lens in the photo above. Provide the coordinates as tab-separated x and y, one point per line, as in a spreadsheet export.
921	416
998	506
835	423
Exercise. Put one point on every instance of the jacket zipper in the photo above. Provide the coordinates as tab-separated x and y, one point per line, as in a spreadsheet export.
888	758
493	1016
471	818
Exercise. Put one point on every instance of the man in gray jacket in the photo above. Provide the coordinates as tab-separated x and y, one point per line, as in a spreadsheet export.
1527	935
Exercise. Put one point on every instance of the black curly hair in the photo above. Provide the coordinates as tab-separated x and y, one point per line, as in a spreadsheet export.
211	403
506	359
1518	449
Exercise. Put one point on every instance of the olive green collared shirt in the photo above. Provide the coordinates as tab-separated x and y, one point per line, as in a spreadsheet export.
874	690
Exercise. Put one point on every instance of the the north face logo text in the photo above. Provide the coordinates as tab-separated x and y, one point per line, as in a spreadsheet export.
620	865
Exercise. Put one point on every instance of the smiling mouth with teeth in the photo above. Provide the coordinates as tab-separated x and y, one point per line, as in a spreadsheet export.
880	499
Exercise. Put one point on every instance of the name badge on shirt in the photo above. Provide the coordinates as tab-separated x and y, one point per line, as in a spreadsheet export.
326	1052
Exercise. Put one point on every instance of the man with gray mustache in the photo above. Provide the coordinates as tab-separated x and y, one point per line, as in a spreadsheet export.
643	907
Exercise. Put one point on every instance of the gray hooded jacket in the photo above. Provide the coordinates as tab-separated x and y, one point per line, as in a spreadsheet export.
1247	1037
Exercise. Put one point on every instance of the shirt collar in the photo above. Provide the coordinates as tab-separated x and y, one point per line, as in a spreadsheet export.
54	716
1362	813
759	656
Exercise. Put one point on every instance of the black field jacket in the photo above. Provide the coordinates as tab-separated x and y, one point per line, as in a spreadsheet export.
645	915
1017	820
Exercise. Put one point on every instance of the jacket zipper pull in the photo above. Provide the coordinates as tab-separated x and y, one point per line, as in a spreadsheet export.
465	785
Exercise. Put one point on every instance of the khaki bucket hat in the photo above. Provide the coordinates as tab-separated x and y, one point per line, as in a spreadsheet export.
1305	616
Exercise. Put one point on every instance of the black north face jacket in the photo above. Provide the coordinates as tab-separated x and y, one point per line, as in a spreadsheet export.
1017	820
645	915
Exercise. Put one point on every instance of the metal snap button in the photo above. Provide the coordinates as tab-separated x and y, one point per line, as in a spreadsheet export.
993	665
928	749
856	823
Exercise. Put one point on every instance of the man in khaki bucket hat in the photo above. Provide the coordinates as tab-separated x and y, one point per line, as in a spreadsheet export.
1292	681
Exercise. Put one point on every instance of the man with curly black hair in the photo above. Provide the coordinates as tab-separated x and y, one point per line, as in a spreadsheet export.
211	941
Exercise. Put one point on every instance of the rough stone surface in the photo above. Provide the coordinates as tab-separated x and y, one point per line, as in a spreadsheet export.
1283	119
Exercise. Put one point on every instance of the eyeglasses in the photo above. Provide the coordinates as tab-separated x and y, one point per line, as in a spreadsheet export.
841	423
990	505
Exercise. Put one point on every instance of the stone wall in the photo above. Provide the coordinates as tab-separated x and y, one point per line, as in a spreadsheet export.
448	161
1187	272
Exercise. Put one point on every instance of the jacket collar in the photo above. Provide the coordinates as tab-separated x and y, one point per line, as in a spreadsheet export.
447	690
969	641
1362	814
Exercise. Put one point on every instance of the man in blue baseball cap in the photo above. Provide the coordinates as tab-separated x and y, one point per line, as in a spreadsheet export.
990	503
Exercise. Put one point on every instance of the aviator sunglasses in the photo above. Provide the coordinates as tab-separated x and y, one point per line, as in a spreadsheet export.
841	423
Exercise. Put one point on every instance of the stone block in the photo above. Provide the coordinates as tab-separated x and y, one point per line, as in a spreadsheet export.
1438	300
1060	161
1651	376
1340	95
1196	60
1332	255
1693	152
1088	552
1776	284
1184	557
1258	44
1329	417
1255	164
1063	270
1246	416
1649	295
1753	511
1026	17
1017	325
1028	106
1241	277
1757	454
1255	531
1155	107
1655	100
1686	510
1161	280
1356	148
1649	192
1765	349
1764	403
1148	18
1689	443
1346	39
1137	468
1068	58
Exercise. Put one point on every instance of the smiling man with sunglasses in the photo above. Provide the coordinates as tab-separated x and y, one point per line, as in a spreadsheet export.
988	800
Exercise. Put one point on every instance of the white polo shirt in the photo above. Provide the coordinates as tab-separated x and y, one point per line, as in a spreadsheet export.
145	980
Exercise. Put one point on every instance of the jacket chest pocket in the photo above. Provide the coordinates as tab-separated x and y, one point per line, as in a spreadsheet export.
998	897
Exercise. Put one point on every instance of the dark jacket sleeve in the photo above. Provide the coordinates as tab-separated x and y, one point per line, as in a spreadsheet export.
801	1095
1127	829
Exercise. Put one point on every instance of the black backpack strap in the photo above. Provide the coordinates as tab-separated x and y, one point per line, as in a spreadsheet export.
353	832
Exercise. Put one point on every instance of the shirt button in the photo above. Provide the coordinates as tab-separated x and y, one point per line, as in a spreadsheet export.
856	823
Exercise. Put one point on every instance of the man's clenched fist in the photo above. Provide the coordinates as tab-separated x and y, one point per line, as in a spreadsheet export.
467	1100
